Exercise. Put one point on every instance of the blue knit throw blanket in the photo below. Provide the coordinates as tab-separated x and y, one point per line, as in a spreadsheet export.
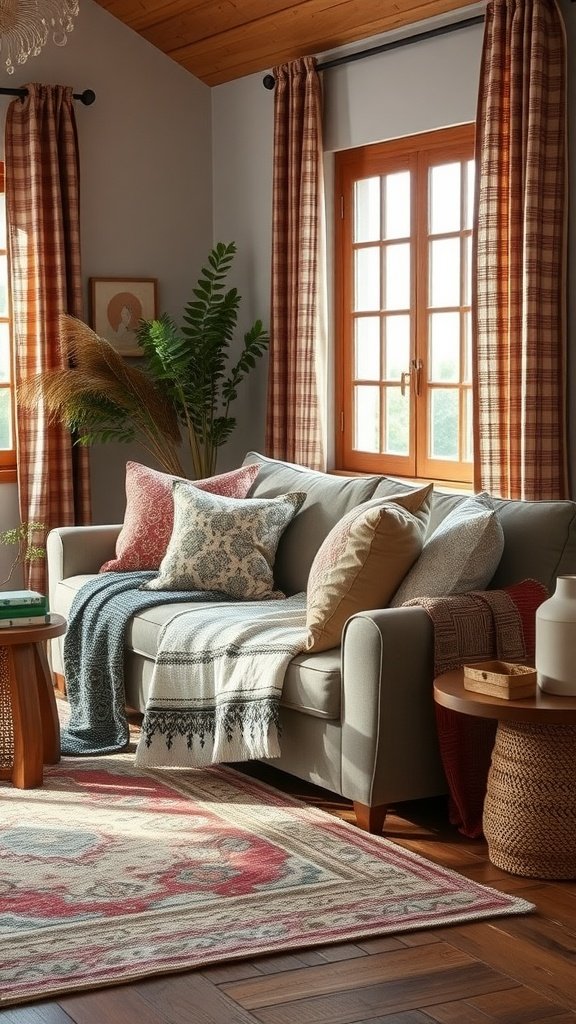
94	657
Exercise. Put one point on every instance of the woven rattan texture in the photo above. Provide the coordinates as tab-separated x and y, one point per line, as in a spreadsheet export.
6	727
530	807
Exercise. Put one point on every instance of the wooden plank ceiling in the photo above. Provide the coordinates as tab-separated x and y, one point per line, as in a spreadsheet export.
220	40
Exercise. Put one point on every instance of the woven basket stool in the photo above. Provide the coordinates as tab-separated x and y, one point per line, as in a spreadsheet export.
530	806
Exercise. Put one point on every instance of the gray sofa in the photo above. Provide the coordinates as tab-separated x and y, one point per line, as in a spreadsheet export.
358	719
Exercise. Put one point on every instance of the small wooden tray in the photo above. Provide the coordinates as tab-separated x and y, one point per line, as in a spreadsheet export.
500	679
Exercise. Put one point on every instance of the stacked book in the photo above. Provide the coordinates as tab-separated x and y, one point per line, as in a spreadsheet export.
23	608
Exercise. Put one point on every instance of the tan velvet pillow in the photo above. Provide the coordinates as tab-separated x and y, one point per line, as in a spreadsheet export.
362	562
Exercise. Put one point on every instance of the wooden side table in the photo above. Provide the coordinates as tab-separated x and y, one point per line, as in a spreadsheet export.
29	727
530	806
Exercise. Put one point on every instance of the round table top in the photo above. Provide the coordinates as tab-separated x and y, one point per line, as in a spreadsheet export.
12	635
545	708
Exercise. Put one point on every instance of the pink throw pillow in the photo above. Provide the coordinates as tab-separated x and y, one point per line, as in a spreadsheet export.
149	515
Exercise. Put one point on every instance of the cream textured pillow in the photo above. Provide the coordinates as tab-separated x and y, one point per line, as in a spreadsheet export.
461	555
224	544
362	560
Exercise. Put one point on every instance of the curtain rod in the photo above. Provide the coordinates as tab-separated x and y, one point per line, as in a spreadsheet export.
269	81
87	97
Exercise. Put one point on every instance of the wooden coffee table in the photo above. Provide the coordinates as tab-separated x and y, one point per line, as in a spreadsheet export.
530	805
29	727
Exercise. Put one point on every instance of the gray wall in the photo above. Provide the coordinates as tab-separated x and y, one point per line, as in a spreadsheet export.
242	126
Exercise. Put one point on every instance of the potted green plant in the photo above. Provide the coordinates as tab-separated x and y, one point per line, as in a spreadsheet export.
186	386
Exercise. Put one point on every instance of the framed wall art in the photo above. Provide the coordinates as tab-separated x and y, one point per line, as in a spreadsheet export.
117	304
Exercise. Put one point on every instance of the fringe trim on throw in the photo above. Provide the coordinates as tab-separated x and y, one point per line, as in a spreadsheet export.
240	729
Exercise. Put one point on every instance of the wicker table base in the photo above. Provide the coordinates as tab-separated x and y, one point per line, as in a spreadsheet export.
530	806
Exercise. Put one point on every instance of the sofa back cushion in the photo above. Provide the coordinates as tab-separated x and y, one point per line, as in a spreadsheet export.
328	498
539	541
539	536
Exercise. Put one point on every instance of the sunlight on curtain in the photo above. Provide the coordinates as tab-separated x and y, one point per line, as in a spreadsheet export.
42	198
520	253
296	400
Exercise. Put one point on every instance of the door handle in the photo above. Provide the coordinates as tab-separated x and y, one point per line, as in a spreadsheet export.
417	365
415	374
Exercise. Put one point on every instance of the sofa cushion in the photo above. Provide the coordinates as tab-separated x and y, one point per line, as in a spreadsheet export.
443	503
389	487
328	498
143	629
66	590
149	515
461	555
312	684
539	541
362	561
224	544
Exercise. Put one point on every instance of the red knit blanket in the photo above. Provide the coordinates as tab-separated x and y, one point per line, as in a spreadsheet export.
475	627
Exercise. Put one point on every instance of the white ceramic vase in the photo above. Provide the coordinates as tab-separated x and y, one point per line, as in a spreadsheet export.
556	639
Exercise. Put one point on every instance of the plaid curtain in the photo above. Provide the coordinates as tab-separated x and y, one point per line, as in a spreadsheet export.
297	330
42	202
519	261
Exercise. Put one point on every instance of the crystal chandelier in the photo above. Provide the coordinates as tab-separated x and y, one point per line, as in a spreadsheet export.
27	25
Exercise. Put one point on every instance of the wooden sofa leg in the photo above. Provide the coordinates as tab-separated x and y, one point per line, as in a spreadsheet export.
370	819
59	683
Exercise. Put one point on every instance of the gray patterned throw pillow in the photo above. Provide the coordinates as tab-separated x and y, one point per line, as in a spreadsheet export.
461	555
225	544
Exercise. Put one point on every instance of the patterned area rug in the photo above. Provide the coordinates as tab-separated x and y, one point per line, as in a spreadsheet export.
108	873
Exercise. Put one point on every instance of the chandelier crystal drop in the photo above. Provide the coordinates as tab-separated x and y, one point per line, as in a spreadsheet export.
27	25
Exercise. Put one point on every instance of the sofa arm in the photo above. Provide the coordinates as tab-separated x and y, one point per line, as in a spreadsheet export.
75	550
389	745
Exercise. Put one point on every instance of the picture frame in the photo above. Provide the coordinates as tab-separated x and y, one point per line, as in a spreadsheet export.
117	304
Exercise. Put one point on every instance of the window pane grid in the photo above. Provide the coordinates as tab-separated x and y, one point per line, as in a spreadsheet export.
382	426
366	209
381	348
417	314
466	336
448	304
396	422
395	205
396	345
367	349
367	419
396	283
467	446
381	420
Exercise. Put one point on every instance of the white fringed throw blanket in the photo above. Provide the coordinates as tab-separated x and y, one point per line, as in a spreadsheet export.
217	682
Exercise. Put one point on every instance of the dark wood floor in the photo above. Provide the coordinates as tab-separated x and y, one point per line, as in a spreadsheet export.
512	970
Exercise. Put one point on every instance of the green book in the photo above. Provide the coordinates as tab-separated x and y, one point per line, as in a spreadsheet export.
24	620
17	611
